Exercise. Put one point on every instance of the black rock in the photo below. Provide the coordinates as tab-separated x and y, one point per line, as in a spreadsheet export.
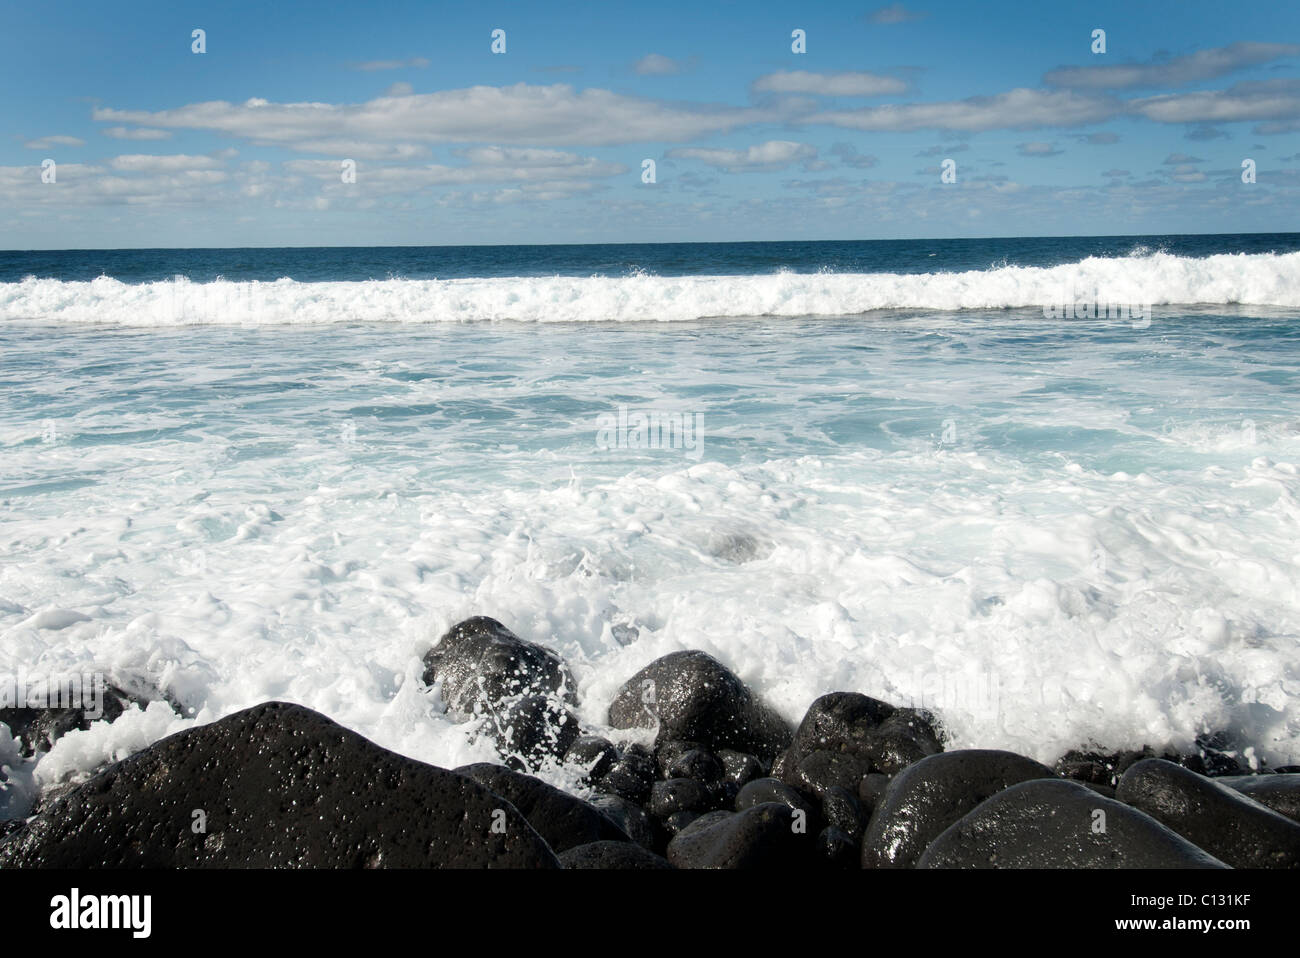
561	819
1221	820
723	795
825	769
763	791
1054	823
531	729
632	776
613	855
278	786
480	660
740	767
870	790
668	751
633	819
925	798
906	737
694	698
595	754
840	722
1279	792
698	764
677	821
521	689
40	727
678	795
842	810
837	848
765	836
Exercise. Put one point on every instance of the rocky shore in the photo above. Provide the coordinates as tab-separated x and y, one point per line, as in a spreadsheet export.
726	783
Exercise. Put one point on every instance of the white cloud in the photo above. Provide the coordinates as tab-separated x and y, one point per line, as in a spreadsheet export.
655	64
829	84
49	142
517	114
1037	149
136	133
1277	100
894	13
772	155
146	163
1018	109
418	63
1180	71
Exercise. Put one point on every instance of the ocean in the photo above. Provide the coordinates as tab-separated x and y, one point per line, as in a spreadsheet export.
1046	487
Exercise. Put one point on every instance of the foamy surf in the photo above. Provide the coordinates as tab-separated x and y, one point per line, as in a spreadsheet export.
1139	279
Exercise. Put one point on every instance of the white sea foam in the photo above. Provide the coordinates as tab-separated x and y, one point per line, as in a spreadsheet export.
1101	549
1260	279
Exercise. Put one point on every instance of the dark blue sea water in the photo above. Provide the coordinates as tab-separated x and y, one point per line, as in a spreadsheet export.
667	259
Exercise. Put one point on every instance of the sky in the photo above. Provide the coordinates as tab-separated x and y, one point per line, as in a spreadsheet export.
393	123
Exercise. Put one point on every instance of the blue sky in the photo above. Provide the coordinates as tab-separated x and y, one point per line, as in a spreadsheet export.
244	145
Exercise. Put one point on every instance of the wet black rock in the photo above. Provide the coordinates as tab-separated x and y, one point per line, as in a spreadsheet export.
837	848
740	767
613	855
595	754
693	697
668	751
633	819
276	786
906	737
522	689
699	764
870	790
561	819
825	769
1054	823
678	821
531	729
480	660
678	795
1221	820
632	776
926	798
766	836
841	809
39	728
1279	792
841	722
762	791
1106	768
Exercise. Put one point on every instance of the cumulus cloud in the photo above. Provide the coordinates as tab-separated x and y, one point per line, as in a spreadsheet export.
829	84
369	66
49	142
1179	71
136	133
492	164
849	156
519	114
1018	109
146	163
656	64
772	155
894	13
1277	100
